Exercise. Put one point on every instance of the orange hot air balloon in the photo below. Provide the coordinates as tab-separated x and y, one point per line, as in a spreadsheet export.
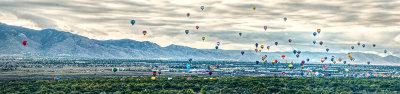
197	27
334	62
308	70
183	73
319	30
212	67
256	50
283	56
286	61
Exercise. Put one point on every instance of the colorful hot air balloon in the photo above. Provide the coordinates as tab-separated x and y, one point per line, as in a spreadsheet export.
262	46
320	43
263	58
290	40
302	62
203	38
344	62
115	69
187	32
276	43
187	14
315	34
144	32
284	19
202	8
242	52
265	28
319	31
218	43
297	55
133	22
190	60
154	73
24	42
283	56
197	27
256	50
352	47
233	74
314	42
256	45
268	47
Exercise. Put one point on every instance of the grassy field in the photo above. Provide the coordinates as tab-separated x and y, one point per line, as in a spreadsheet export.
223	85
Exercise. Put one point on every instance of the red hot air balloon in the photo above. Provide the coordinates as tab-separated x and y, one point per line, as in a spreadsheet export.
290	40
24	42
197	27
283	73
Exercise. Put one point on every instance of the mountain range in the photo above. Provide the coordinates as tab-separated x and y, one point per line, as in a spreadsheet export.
54	43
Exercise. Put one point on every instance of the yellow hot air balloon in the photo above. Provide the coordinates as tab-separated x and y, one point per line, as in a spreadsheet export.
349	55
254	7
290	65
291	61
322	74
302	66
346	70
273	61
153	78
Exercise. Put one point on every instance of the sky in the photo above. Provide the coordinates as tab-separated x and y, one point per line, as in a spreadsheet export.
343	23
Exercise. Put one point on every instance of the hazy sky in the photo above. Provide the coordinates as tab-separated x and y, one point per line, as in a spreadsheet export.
343	22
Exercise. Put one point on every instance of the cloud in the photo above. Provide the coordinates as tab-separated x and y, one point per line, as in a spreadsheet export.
343	22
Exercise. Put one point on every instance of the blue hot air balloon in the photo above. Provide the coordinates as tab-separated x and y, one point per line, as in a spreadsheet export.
315	33
187	32
202	8
133	22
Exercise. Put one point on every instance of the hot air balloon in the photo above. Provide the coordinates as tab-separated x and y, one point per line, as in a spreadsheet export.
210	73
216	47
268	47
320	43
202	8
340	59
352	47
190	60
133	22
373	45
256	45
263	58
290	40
355	65
284	19
183	73
242	52
298	52
363	45
358	43
240	34
322	60
187	32
297	55
334	62
319	31
315	34
385	51
197	27
327	49
344	62
265	28
283	56
291	62
368	62
144	32
218	66
24	42
233	74
323	66
283	73
308	59
254	7
302	62
56	78
276	43
294	51
187	14
115	69
213	67
314	42
256	50
257	62
159	72
262	46
302	66
290	66
218	43
203	38
154	73
325	58
153	78
265	62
